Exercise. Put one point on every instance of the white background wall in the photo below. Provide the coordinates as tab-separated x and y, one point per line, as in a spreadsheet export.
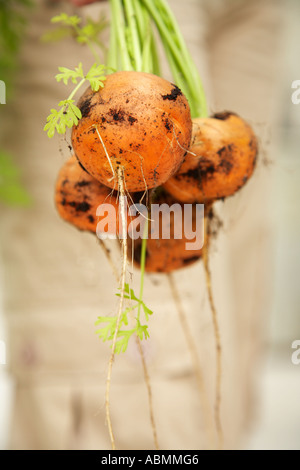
278	411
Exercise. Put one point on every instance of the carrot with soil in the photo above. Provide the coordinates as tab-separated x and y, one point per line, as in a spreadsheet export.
137	122
145	161
78	195
221	159
167	251
132	131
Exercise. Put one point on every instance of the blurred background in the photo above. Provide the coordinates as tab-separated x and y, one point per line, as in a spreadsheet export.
278	410
276	424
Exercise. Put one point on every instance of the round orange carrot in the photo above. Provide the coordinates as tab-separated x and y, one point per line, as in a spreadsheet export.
78	195
166	255
220	160
138	125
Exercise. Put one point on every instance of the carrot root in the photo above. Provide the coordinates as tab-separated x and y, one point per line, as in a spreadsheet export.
121	303
121	183
207	415
217	340
149	391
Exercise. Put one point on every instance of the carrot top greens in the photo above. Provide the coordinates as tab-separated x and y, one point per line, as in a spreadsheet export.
68	113
87	33
132	47
124	334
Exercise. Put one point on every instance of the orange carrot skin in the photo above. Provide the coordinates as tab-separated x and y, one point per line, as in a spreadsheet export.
222	158
78	195
167	255
164	256
144	123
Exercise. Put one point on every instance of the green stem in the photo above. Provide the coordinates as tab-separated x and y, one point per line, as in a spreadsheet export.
147	52
118	17
169	39
150	61
76	88
143	27
141	19
178	77
178	54
155	58
173	25
132	31
88	42
93	51
112	59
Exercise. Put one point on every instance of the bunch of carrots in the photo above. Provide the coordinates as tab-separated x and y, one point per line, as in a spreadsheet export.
137	135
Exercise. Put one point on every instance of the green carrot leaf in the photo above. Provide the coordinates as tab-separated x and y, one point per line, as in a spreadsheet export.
142	331
66	19
147	311
96	76
68	74
89	33
106	331
57	34
69	114
59	120
122	344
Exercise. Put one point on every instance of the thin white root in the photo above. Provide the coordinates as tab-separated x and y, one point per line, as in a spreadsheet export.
179	144
206	411
149	391
142	171
111	360
106	153
217	340
161	155
138	212
121	303
175	123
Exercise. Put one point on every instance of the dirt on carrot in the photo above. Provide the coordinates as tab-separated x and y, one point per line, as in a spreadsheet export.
164	255
220	161
78	196
138	123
